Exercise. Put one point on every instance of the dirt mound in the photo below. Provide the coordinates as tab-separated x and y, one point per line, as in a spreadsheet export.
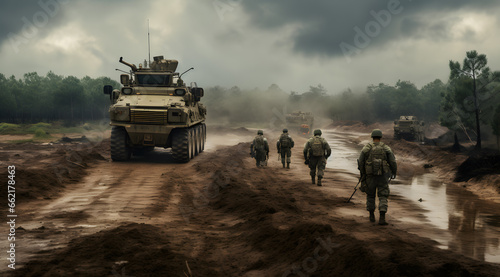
242	131
351	125
477	166
45	175
129	250
448	137
69	140
362	127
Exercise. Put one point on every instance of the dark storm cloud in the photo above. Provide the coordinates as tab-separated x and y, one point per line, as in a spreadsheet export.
26	19
322	26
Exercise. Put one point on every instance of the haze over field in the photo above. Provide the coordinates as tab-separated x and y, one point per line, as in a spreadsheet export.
293	44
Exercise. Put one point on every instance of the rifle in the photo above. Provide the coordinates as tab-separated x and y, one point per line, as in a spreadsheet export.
252	153
355	188
267	158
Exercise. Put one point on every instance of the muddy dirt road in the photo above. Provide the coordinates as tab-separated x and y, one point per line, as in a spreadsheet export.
220	216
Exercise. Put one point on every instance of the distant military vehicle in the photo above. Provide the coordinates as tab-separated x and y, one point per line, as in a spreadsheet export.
155	108
409	127
300	122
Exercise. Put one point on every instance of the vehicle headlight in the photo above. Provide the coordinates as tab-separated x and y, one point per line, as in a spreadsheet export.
120	113
180	92
127	91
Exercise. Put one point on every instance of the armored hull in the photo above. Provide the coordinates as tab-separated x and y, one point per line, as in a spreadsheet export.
154	108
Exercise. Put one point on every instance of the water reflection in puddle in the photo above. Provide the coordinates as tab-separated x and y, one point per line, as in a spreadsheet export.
471	224
462	222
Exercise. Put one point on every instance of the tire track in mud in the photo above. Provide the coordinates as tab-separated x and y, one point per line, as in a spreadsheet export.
111	195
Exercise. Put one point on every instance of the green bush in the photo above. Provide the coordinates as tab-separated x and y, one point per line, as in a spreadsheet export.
37	126
41	134
87	127
8	128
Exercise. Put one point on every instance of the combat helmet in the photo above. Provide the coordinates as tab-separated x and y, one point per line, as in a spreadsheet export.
260	132
317	132
285	130
376	133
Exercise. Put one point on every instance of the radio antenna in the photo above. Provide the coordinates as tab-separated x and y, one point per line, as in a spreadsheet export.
149	46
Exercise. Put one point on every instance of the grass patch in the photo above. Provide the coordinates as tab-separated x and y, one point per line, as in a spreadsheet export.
41	134
40	125
9	128
52	128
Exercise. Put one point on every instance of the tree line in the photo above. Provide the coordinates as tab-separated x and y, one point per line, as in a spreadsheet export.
377	103
53	97
469	99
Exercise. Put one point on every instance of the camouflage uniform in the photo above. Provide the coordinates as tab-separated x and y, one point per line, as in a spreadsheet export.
377	182
317	162
261	153
286	152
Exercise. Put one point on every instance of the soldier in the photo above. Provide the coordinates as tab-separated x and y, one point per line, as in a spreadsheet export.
259	149
284	145
377	164
316	152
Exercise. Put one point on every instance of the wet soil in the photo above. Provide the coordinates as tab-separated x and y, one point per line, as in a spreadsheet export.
217	215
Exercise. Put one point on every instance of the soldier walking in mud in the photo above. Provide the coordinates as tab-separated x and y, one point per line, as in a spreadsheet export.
316	152
377	164
284	145
259	149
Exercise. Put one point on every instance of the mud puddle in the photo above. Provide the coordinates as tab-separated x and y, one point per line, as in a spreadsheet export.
454	217
468	224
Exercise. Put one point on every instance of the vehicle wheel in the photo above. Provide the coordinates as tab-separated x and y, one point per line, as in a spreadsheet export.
200	139
196	139
181	145
191	142
120	151
203	136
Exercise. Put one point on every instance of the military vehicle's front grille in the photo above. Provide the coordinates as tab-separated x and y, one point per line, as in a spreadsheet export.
148	117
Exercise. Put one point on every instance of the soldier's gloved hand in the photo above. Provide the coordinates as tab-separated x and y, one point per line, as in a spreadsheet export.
306	162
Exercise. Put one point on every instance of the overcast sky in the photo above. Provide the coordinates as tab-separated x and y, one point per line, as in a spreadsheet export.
252	43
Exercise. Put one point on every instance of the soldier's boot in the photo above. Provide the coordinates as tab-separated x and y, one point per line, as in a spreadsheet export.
287	165
381	220
372	216
313	178
319	181
283	164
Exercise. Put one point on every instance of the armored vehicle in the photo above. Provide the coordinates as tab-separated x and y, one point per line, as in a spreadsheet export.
155	108
300	122
409	127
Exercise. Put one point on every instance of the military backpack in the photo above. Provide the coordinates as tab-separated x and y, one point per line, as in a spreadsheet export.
285	141
317	147
376	164
259	143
